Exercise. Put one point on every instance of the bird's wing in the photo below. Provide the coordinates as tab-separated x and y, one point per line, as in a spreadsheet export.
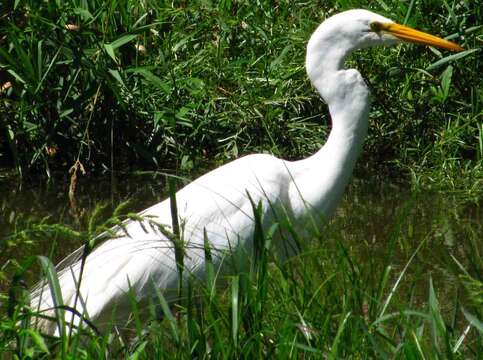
219	203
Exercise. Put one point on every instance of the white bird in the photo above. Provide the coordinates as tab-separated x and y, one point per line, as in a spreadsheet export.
218	202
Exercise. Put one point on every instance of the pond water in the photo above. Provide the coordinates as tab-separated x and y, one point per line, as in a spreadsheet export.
377	221
22	205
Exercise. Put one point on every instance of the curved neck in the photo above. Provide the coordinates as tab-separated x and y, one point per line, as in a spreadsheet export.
335	161
348	99
343	90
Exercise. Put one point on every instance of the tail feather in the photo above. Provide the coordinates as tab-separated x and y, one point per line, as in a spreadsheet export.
111	271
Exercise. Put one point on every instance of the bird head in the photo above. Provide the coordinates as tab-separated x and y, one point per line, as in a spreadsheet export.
350	30
382	30
362	28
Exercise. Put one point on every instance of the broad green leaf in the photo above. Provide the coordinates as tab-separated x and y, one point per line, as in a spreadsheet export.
116	75
155	80
122	40
110	47
83	13
110	51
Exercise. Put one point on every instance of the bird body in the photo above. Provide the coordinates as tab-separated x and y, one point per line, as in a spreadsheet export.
220	203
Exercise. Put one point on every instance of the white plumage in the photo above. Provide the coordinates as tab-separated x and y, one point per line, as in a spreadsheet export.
305	191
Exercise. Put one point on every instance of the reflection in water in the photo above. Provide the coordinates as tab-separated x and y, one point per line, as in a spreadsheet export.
379	224
34	203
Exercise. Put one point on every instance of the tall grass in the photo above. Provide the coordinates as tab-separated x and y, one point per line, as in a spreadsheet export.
137	84
407	285
121	85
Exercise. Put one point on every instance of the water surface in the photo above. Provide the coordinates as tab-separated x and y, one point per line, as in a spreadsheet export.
378	222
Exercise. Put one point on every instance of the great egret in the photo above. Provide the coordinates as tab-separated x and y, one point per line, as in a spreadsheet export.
219	203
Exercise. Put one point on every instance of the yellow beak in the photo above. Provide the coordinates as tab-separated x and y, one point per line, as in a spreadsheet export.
410	35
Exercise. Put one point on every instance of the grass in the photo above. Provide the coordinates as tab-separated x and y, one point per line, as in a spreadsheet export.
127	85
399	278
148	84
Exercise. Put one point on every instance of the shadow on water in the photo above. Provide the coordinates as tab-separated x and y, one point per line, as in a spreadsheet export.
379	224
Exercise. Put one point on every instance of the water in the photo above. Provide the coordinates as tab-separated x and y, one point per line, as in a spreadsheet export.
377	222
37	202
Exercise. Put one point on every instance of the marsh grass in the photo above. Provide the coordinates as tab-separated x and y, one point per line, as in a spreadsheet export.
412	289
148	84
153	84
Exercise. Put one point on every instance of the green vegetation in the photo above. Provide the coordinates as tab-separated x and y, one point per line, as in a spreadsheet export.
148	84
126	85
407	286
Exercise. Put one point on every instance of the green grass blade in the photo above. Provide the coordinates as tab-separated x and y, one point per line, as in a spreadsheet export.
155	80
234	309
167	313
139	353
473	320
399	279
418	345
461	339
335	344
110	51
37	339
450	58
122	41
438	327
209	267
56	294
408	12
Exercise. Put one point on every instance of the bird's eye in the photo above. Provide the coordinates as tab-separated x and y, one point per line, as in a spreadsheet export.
375	26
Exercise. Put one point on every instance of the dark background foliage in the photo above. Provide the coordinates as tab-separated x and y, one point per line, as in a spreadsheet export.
158	85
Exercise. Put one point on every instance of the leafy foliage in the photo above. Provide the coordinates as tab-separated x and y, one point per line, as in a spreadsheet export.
129	84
